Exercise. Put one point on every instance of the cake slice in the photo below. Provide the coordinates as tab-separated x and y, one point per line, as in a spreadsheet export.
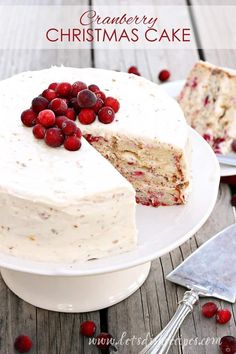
209	103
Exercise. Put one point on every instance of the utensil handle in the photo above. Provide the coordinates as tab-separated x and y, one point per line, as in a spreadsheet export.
162	342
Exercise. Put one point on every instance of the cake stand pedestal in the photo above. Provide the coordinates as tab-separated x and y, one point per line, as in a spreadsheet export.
76	293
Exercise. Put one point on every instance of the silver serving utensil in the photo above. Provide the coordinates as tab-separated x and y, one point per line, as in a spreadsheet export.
209	271
227	159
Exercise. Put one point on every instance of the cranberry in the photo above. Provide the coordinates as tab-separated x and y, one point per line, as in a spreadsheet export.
60	120
74	104
86	98
23	344
113	103
47	118
101	95
228	345
54	137
93	88
70	114
106	115
53	86
103	341
134	70
49	94
233	200
87	328
64	89
78	133
72	143
39	131
231	180
98	105
39	104
77	87
209	309
207	137
223	316
86	116
29	118
164	75
233	145
206	100
58	105
69	127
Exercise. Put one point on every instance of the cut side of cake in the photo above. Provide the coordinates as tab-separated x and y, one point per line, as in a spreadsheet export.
64	206
148	140
209	104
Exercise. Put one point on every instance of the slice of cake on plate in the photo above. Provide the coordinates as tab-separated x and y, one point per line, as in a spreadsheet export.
68	206
209	103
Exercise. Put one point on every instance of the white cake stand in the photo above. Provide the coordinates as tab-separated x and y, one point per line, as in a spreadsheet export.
101	283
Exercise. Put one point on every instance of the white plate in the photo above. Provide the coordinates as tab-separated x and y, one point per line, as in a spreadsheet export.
160	229
173	89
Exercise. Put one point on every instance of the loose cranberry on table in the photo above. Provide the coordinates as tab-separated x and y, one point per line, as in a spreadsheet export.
103	340
134	70
63	89
23	344
69	127
86	98
47	118
93	88
72	143
29	118
39	104
54	137
164	75
113	103
101	95
223	316
77	87
58	106
228	345
49	94
86	116
70	114
106	115
39	131
233	200
209	309
87	328
98	105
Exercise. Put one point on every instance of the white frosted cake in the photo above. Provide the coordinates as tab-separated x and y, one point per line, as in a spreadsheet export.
209	103
57	205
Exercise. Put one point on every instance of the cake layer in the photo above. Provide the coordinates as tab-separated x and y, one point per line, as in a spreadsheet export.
208	101
57	205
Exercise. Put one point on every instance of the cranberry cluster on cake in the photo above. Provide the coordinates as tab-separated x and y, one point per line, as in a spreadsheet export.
52	113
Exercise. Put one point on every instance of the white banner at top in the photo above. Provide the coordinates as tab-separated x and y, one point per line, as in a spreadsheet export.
116	27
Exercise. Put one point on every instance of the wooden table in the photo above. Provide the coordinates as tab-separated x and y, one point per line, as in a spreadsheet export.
152	306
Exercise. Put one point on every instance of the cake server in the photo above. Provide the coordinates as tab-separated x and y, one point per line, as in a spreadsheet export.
209	271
